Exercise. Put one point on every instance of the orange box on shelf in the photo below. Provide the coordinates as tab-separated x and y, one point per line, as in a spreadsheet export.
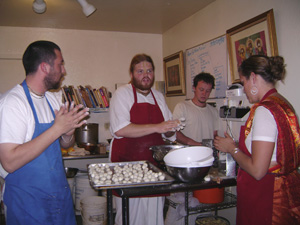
210	196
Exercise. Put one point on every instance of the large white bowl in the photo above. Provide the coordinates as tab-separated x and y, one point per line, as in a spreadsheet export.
189	155
205	163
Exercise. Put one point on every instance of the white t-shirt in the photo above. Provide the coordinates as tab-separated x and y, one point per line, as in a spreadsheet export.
16	118
201	122
264	128
119	113
122	101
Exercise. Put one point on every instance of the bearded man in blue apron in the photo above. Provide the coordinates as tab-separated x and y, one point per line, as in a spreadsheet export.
33	128
139	116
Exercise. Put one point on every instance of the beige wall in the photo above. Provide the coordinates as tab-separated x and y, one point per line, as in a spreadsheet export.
102	58
91	57
216	18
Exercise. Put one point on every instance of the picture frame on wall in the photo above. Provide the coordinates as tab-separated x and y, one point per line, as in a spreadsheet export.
256	36
174	74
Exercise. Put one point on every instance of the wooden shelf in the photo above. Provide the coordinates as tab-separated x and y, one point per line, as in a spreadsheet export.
98	110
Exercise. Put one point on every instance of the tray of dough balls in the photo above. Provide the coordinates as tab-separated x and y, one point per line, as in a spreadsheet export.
126	174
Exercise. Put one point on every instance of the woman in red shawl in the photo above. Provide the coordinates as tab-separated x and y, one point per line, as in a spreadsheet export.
268	184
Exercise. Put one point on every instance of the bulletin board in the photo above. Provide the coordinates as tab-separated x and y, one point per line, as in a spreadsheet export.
208	57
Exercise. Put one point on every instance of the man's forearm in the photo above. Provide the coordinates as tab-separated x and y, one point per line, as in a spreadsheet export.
181	138
14	156
136	130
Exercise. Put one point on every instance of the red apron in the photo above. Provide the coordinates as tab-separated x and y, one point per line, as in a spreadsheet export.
255	198
136	149
274	199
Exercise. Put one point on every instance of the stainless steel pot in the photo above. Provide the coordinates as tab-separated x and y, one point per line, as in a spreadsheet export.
87	134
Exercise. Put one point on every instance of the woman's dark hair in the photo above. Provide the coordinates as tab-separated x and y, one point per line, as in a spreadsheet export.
206	77
271	69
38	52
140	58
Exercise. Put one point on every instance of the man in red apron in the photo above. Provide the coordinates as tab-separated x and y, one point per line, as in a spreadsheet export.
32	128
139	117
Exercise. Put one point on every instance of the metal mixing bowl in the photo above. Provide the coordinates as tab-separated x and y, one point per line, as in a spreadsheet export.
159	151
188	174
71	172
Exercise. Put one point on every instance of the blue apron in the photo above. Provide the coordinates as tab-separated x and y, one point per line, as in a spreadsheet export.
38	192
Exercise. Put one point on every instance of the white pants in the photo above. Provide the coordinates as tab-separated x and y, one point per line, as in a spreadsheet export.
142	211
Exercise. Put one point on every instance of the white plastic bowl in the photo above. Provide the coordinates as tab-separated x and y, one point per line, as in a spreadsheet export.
206	163
186	156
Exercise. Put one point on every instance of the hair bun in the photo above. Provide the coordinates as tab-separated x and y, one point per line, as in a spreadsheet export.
277	67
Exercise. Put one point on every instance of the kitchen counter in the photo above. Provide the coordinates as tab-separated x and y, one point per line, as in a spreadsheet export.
81	162
93	156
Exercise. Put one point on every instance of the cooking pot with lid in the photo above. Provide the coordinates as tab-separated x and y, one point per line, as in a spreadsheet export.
87	134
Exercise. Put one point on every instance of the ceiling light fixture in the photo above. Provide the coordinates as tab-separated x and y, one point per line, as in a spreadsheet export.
39	6
87	8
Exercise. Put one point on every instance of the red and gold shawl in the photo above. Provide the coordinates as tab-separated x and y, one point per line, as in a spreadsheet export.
286	197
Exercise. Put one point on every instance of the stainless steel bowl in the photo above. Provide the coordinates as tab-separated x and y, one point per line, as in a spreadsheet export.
71	172
159	151
188	174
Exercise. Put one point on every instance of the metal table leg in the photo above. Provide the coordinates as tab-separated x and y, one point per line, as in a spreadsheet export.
110	219
125	210
186	218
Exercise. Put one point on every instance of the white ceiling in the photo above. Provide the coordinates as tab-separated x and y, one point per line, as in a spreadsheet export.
141	16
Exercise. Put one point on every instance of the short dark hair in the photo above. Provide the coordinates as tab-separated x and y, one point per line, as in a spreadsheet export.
206	77
140	58
38	52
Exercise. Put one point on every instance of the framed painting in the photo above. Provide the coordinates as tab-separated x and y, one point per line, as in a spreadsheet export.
174	74
256	36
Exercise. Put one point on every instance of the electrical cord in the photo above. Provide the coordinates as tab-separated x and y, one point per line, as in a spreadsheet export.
228	127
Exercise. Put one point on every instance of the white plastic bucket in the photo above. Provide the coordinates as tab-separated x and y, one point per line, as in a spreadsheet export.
71	182
82	189
93	210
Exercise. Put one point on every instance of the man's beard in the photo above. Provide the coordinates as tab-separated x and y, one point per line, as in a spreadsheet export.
141	86
50	83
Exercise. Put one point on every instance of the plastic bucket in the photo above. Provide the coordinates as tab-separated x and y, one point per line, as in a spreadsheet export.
82	189
209	196
93	210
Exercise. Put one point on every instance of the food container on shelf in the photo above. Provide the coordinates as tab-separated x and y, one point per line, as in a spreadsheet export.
211	220
210	196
